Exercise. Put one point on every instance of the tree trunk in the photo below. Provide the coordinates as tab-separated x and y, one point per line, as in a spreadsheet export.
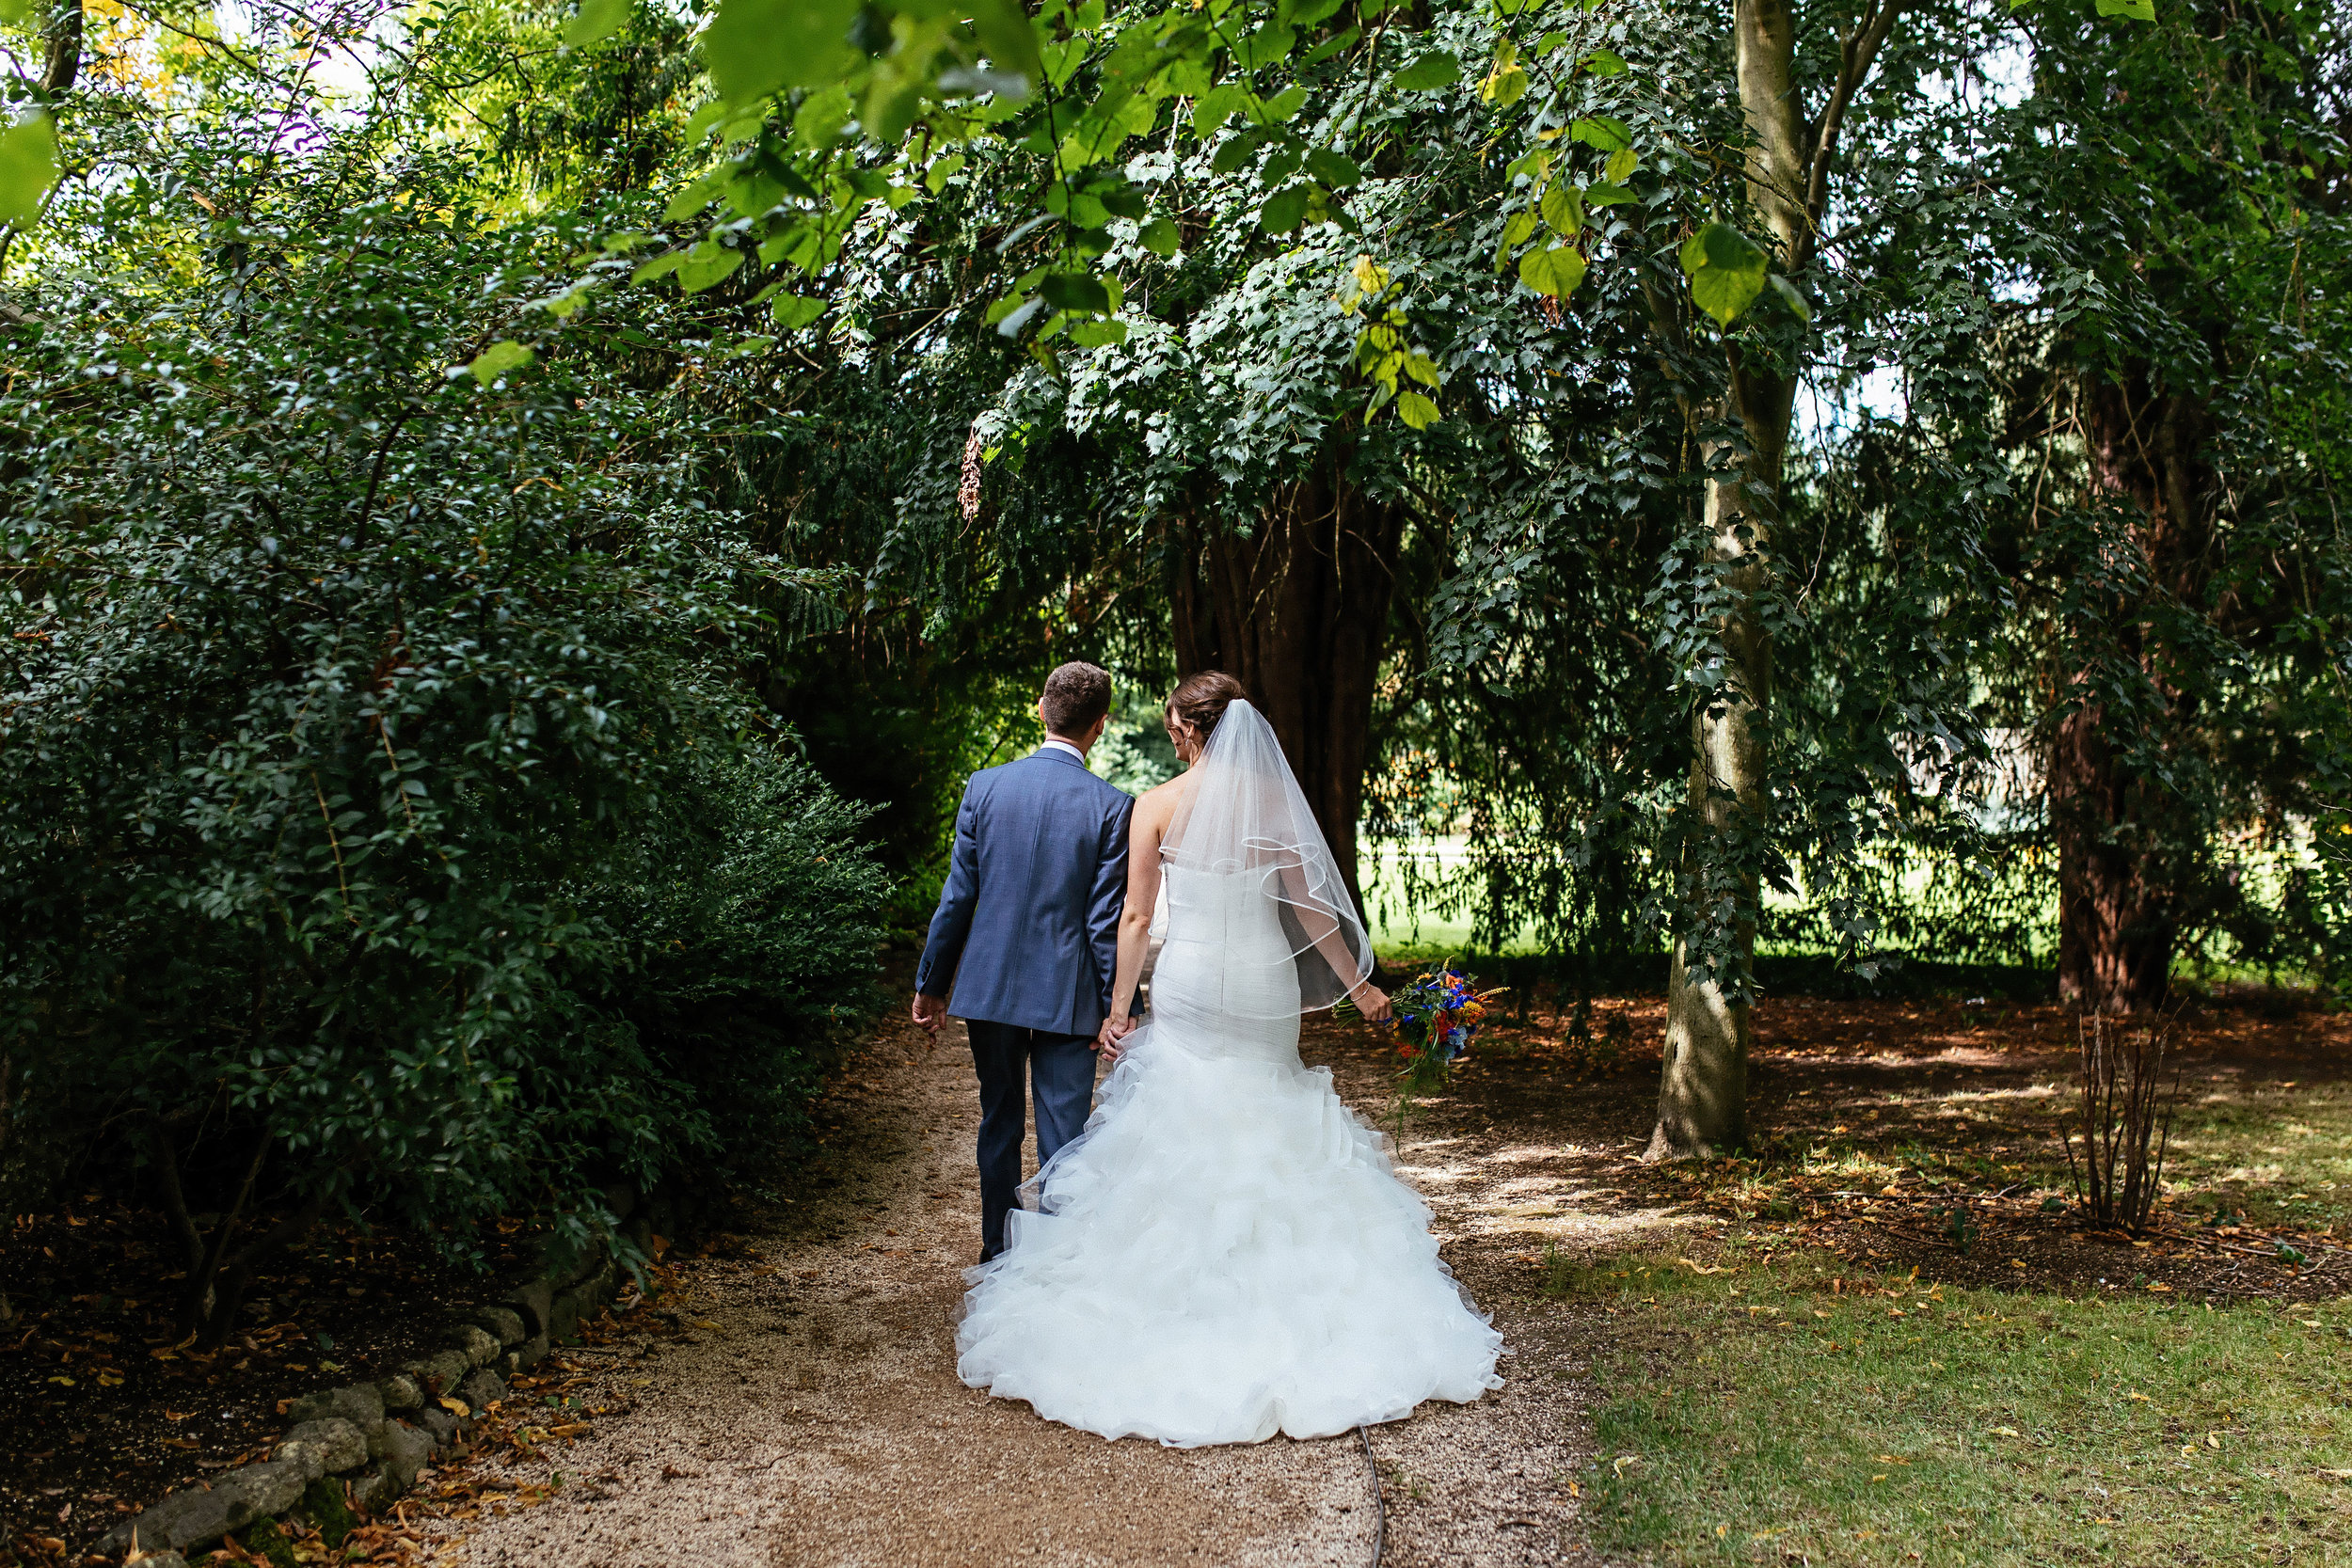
2116	931
2126	869
1297	611
1702	1087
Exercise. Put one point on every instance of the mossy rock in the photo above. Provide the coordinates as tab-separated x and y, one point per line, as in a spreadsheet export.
323	1502
265	1539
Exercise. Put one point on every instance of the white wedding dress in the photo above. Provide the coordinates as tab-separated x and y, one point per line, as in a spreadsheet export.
1226	1252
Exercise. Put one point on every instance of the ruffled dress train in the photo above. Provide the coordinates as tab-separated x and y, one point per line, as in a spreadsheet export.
1227	1251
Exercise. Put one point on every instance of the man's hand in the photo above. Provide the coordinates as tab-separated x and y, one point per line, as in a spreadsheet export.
930	1012
1115	1028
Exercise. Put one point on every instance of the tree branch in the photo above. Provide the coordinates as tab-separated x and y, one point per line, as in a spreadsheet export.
1857	52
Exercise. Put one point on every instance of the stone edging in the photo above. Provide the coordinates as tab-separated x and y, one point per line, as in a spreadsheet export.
356	1449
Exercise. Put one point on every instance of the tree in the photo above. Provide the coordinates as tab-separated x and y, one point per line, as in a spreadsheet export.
385	822
2177	565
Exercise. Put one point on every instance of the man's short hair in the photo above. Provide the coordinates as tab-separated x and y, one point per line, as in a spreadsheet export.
1076	696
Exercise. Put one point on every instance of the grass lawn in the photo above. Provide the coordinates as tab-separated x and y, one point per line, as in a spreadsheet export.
1787	1410
2280	1153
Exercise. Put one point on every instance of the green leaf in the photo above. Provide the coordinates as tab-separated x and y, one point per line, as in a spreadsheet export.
1430	72
1268	44
14	12
1331	46
1335	169
1236	151
1555	272
935	178
1075	291
1604	62
1284	209
2131	10
564	306
1604	132
1284	105
757	47
1517	227
28	166
1621	165
693	197
706	264
1211	109
1010	38
498	359
1160	237
1417	410
1189	78
597	20
1726	270
798	246
1605	195
1794	300
1098	334
659	267
794	311
1505	87
1564	208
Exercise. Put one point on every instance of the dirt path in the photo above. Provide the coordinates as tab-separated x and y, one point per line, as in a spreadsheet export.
813	1418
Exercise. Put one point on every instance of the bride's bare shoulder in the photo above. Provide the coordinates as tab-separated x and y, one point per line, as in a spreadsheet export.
1159	803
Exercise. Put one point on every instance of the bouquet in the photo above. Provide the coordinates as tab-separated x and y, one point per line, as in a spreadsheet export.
1438	1016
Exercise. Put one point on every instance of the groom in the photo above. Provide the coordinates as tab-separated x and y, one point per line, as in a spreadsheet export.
1027	932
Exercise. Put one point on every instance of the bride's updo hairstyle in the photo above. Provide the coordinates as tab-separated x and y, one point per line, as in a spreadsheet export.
1201	699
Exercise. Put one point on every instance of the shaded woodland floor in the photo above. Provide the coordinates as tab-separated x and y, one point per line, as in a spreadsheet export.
788	1394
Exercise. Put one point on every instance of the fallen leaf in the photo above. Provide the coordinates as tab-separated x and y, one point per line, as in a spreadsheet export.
455	1408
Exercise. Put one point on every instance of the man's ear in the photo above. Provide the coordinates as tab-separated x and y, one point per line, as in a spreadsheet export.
1096	733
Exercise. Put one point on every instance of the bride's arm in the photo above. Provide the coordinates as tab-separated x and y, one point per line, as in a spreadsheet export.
1135	921
1370	999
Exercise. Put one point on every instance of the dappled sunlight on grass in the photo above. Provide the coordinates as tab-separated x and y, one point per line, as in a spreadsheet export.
1797	1410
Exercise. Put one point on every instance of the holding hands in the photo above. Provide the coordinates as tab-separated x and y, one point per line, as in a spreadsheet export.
1115	1028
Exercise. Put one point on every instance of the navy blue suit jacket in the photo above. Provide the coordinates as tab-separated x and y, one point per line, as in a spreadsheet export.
1027	926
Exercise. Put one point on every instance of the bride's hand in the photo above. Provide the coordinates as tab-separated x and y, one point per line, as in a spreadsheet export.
1372	1001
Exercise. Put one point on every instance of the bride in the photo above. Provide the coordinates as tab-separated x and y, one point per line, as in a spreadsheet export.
1226	1252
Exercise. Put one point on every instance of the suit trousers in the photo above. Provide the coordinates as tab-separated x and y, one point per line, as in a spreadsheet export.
1062	1069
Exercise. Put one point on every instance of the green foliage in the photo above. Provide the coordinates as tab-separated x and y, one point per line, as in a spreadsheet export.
28	166
1726	270
369	676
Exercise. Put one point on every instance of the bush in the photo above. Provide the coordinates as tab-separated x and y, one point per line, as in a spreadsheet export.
381	816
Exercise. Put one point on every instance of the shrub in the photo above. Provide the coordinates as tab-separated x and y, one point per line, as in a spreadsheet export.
381	818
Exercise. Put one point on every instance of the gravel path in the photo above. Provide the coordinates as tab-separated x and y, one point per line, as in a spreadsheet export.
812	1415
